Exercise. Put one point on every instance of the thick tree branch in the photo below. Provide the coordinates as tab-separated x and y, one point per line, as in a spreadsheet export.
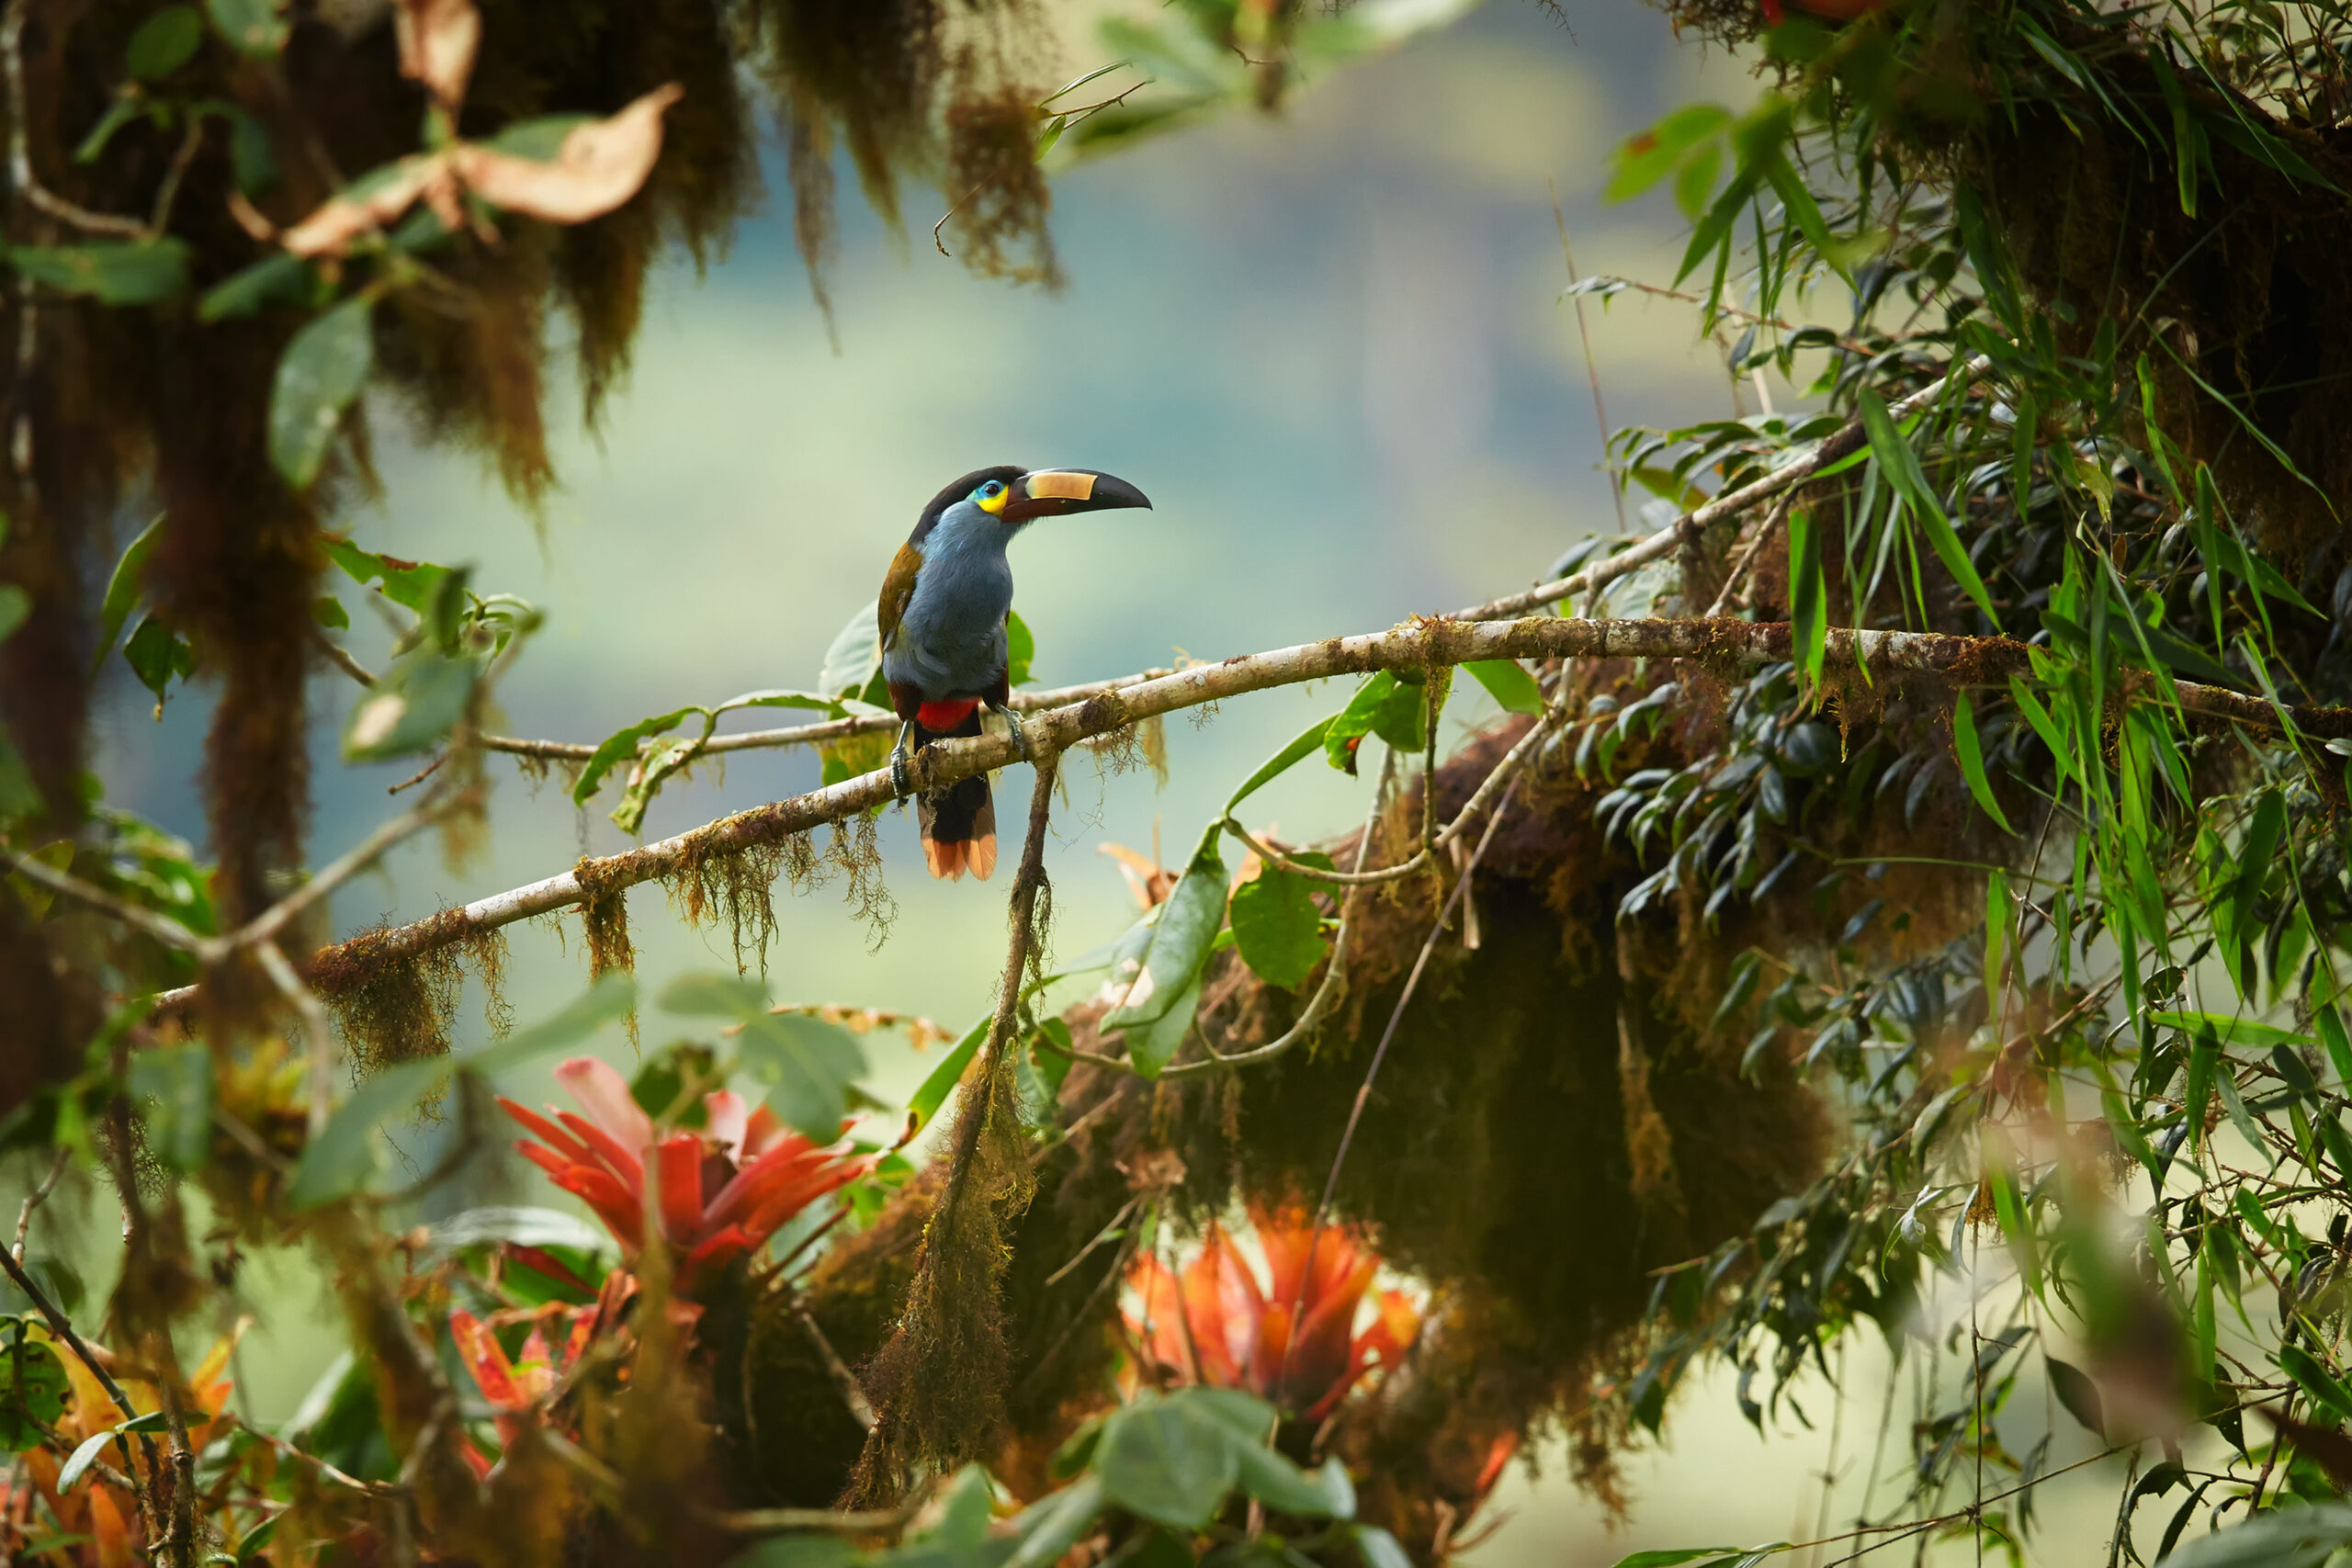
1415	646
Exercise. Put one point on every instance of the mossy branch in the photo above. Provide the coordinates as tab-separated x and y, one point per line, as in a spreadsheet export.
1421	645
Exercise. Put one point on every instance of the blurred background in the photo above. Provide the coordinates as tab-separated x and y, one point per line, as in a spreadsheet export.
1330	345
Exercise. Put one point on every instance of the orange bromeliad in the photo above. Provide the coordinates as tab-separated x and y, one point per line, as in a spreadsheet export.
1215	1324
719	1193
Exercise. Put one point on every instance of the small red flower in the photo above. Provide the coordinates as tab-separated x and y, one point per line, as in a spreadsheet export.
1216	1326
719	1194
514	1387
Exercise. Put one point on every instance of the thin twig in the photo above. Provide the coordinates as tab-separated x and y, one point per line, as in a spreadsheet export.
62	1327
20	162
1591	366
170	933
861	1409
320	1035
340	657
263	928
36	1198
191	142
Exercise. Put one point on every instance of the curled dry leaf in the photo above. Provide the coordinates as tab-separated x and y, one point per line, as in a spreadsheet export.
373	202
599	167
438	40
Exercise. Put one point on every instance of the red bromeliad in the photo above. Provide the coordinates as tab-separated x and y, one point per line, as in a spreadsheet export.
1215	1324
719	1194
514	1387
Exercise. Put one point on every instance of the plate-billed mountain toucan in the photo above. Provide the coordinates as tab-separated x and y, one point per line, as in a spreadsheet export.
943	646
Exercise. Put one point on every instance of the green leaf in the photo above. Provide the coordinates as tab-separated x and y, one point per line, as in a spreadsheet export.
323	368
1672	1555
1020	648
943	1078
1153	1045
2333	1035
1344	734
1168	1462
1304	743
1048	1530
735	997
328	611
2204	1058
77	1464
2291	1537
1380	1549
1277	926
343	1157
412	585
114	272
1808	597
2316	1380
1402	717
1971	762
15	608
1508	682
1280	1485
854	656
2078	1393
250	1544
411	707
1179	943
808	1065
1339	1489
164	42
280	279
539	138
1644	158
32	1390
1902	467
177	1083
125	109
2229	1031
156	654
620	747
251	27
610	1000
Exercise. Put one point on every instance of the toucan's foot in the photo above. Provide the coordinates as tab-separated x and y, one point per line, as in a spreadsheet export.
1020	736
899	763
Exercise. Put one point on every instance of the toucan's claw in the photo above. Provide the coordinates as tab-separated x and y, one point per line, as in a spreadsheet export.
1020	736
899	763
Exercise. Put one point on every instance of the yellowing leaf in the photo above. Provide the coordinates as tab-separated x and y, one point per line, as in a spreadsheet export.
439	40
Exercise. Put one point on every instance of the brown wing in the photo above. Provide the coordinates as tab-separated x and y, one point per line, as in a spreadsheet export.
897	589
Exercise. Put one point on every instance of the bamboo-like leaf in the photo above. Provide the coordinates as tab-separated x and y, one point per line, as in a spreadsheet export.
1971	762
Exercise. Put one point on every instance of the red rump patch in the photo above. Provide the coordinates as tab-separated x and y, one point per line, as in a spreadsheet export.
941	717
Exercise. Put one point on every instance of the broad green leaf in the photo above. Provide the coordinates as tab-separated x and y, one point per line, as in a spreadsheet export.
164	42
621	747
610	1000
1670	1556
118	272
1339	1489
122	587
325	367
280	279
808	1065
32	1389
415	586
1971	762
1645	158
2322	1385
943	1078
856	656
2078	1393
15	607
1508	682
343	1158
736	997
77	1464
1167	1461
1380	1549
1345	732
1402	717
1304	743
1243	1414
1020	649
1277	926
254	28
157	656
175	1083
1049	1529
2330	1018
539	138
782	697
1153	1045
1179	942
411	707
251	1543
1280	1485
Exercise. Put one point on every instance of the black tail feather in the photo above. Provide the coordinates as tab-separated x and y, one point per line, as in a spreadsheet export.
959	823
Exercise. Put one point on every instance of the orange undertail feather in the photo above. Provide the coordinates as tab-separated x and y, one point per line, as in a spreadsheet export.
959	823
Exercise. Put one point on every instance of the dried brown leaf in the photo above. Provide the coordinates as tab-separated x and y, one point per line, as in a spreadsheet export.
599	167
371	204
438	40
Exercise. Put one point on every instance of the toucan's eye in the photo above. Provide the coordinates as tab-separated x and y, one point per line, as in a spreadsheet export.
992	490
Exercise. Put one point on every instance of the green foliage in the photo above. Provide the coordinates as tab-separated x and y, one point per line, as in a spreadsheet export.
1277	927
323	370
35	1388
807	1064
116	272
